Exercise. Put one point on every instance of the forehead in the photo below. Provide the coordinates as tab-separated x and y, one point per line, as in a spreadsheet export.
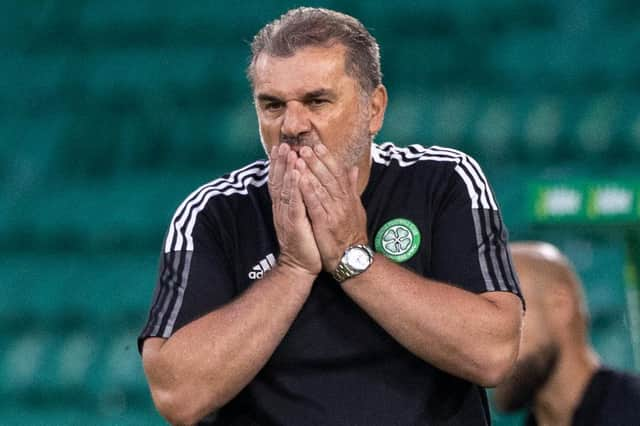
310	68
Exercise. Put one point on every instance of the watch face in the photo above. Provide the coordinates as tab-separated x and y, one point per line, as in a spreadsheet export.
358	259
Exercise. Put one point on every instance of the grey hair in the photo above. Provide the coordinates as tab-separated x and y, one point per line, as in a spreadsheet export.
307	26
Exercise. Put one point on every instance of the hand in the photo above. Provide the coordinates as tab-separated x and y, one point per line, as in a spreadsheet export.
298	247
330	194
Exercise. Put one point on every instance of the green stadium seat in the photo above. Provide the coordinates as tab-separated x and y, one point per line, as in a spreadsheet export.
542	128
452	113
114	14
404	115
30	79
423	63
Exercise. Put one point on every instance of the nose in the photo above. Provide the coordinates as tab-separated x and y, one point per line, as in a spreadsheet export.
295	121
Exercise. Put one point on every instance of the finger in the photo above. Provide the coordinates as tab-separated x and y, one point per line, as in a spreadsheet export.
307	182
296	206
313	187
284	196
277	168
291	199
322	173
291	157
314	206
301	166
278	154
334	166
287	186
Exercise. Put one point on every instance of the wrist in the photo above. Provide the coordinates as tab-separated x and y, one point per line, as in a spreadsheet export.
291	270
336	259
356	260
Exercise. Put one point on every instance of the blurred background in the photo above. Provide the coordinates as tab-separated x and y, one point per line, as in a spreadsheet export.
112	111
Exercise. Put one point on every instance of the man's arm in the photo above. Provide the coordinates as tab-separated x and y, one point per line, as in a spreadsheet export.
210	360
472	336
475	337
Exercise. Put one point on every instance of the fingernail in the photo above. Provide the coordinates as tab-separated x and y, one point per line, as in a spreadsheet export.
320	149
283	148
274	149
305	151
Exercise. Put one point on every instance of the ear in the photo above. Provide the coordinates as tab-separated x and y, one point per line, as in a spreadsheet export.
378	106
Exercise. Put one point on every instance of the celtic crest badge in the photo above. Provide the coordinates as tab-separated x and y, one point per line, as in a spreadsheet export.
398	239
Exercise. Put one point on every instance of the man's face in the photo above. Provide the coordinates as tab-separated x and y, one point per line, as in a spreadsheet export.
308	98
538	351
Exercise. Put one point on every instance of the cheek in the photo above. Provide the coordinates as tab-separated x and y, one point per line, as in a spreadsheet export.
269	131
340	125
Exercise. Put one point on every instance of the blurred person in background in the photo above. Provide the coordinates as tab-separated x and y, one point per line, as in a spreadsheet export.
272	306
558	377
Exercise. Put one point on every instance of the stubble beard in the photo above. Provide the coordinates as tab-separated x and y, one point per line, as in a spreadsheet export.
357	144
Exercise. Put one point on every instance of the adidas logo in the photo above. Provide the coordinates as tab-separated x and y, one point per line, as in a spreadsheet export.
257	272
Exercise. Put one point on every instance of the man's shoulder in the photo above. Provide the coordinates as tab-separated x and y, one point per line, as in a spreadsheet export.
417	156
241	182
621	390
625	382
428	162
235	196
612	397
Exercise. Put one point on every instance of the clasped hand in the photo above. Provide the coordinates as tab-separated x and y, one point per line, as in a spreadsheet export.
317	211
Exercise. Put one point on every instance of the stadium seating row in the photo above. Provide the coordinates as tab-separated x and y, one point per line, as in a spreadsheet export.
105	138
506	64
56	289
428	17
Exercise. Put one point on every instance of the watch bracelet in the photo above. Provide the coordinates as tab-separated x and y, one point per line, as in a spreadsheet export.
342	272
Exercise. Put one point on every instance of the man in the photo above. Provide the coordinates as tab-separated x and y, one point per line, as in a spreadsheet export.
272	307
558	376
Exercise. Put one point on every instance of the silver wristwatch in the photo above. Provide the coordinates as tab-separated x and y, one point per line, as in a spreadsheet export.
355	260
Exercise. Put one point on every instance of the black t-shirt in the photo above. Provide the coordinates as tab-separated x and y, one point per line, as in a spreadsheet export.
429	209
612	398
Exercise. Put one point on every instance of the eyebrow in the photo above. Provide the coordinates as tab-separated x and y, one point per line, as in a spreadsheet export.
320	93
314	94
268	98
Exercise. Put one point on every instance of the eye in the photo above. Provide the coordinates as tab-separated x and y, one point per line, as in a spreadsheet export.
316	102
273	106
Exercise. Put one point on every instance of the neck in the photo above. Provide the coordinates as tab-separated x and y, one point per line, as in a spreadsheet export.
557	401
364	171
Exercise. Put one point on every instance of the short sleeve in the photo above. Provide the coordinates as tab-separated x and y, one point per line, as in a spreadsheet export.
194	278
469	237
